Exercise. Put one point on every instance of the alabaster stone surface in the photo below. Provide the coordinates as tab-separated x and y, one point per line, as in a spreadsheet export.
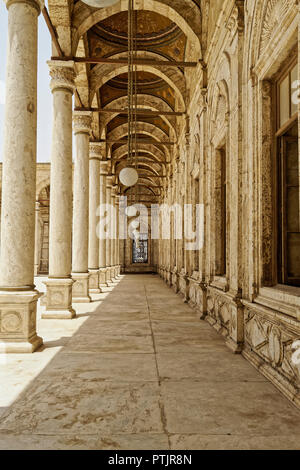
59	299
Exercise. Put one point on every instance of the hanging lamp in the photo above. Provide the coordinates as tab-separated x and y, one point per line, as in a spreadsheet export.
128	176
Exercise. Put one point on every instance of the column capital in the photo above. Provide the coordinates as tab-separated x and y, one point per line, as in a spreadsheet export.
97	151
62	74
82	122
109	181
103	167
37	4
114	190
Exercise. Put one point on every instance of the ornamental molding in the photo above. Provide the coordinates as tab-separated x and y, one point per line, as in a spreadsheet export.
274	14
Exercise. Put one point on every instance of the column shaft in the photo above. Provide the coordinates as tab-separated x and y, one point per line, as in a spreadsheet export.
59	284
102	240
94	201
37	239
80	274
18	299
109	234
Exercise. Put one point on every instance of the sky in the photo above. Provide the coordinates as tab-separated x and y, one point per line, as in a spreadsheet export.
44	93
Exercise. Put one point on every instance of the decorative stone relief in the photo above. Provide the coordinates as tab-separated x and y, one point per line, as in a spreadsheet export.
274	14
272	343
62	75
11	322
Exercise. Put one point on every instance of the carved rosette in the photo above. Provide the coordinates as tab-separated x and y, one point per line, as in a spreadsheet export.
62	75
82	122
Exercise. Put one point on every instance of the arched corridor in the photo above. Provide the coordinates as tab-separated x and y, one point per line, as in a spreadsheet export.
150	270
145	376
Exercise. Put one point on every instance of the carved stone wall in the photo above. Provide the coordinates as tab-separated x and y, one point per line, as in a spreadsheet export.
233	106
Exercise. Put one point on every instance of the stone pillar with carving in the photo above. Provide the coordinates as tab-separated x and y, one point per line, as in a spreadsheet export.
109	234
18	297
94	201
59	283
102	240
80	273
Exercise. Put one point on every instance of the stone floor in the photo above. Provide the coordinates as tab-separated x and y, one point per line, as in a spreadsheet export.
137	370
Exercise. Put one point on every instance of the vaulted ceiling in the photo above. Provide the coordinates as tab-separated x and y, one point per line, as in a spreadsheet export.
167	30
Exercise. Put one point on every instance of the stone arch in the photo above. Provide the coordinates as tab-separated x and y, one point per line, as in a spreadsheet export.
219	97
147	129
186	14
42	185
151	149
143	101
121	163
102	73
266	17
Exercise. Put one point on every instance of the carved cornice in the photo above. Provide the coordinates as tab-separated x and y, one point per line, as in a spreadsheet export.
62	75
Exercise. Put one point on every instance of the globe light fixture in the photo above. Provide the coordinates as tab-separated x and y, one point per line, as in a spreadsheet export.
100	3
135	224
128	176
130	211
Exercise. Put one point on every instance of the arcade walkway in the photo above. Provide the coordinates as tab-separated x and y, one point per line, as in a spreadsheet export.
137	370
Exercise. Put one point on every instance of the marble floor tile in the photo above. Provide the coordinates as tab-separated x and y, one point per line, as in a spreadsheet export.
107	366
109	343
225	442
212	366
85	407
136	369
220	408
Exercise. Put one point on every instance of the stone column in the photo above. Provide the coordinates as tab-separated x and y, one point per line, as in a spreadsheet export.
117	241
18	297
59	284
37	237
80	274
113	231
94	201
109	235
102	241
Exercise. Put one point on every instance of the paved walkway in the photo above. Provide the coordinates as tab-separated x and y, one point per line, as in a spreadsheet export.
137	370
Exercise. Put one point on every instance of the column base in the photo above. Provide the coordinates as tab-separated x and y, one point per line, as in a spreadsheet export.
59	299
175	286
183	284
94	281
235	341
102	277
108	277
113	272
80	290
18	322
